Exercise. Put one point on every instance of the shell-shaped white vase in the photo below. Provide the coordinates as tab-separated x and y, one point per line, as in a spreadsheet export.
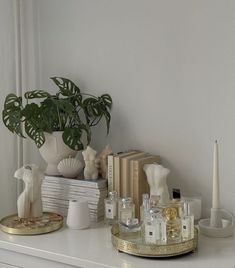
70	167
54	150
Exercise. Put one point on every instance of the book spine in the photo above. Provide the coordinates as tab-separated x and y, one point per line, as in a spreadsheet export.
110	173
131	179
116	174
135	166
124	178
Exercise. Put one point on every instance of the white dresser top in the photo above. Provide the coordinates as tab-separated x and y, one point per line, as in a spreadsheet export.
92	248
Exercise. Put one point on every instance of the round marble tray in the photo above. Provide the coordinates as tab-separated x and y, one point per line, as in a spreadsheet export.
49	222
135	246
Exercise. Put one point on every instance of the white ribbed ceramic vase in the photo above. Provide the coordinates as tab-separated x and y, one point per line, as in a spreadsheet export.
78	214
54	150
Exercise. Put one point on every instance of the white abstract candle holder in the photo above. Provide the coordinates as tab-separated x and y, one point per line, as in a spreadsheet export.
221	222
226	229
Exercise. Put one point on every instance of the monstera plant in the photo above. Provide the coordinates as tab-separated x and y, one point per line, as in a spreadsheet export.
68	110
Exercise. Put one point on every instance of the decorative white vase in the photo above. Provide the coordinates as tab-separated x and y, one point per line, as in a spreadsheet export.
54	150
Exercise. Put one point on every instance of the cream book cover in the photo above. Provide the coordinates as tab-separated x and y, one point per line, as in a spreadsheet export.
117	171
125	172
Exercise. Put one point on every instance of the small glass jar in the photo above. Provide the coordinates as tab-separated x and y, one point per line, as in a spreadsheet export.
173	224
111	208
130	227
126	209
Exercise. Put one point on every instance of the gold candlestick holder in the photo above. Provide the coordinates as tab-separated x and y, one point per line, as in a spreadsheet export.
49	222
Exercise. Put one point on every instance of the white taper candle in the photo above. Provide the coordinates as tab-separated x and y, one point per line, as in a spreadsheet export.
216	189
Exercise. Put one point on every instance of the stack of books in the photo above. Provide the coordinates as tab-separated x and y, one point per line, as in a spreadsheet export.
126	174
57	191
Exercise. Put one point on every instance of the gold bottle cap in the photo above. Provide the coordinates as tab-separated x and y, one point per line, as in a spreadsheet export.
169	213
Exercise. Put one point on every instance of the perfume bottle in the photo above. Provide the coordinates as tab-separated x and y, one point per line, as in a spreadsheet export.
176	202
111	206
152	228
162	225
130	227
126	209
187	223
155	228
144	208
173	224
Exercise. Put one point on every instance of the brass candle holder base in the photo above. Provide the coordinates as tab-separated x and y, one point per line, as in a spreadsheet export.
135	245
49	222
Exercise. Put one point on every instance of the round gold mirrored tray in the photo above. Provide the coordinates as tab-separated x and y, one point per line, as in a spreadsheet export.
135	246
49	222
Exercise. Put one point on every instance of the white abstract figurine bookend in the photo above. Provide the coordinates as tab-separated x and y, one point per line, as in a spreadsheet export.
156	176
90	170
29	203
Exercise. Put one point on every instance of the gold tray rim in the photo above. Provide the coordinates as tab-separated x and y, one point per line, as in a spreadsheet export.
34	231
153	251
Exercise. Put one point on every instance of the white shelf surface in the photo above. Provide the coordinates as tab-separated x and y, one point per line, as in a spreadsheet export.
93	248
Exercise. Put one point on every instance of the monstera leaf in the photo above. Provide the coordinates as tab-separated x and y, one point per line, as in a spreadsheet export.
12	114
36	94
34	133
97	108
66	86
107	100
72	138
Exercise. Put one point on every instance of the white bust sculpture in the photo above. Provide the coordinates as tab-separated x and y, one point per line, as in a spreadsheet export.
156	176
90	170
29	203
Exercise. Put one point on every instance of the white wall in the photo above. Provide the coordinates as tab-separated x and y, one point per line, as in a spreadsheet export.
169	66
8	150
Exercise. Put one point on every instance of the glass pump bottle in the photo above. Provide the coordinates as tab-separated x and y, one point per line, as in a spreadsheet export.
126	209
187	227
111	208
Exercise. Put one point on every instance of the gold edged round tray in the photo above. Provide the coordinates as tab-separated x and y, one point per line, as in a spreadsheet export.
49	222
135	246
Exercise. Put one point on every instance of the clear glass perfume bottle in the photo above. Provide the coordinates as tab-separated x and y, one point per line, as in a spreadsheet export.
162	225
111	208
144	208
155	228
187	223
126	209
173	224
130	227
151	228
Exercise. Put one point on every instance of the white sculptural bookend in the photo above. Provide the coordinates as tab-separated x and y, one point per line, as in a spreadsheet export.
90	170
29	203
156	176
103	161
